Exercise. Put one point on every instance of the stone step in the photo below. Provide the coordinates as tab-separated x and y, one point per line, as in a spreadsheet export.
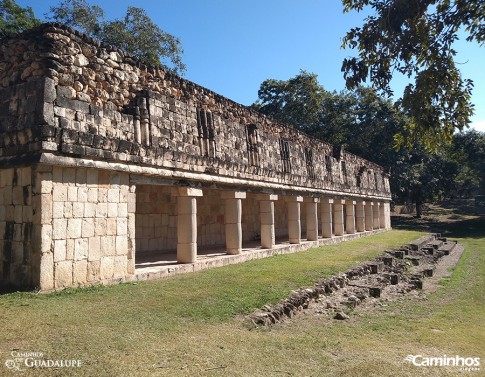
422	241
448	247
436	244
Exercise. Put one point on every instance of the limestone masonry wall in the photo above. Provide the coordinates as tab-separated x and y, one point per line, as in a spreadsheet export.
103	158
93	226
16	222
68	94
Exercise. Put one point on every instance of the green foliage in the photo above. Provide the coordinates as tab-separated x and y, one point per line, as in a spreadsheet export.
138	35
296	102
135	33
80	15
415	38
15	19
366	124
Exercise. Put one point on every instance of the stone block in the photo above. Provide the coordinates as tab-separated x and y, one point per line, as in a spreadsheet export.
92	177
18	195
111	226
77	210
63	274
92	195
122	227
121	245
25	175
68	210
100	226
46	272
59	231
90	210
80	272
57	210
122	210
60	250
94	248
70	243
59	193
82	194
93	273
112	209
113	195
74	228
102	210
108	245
81	177
81	248
120	266
72	193
106	269
87	228
69	176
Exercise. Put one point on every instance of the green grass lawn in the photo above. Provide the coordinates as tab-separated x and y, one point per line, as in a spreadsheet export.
191	325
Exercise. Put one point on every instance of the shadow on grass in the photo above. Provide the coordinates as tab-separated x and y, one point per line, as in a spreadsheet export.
469	228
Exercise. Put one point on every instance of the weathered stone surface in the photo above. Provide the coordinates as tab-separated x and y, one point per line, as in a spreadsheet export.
346	291
93	120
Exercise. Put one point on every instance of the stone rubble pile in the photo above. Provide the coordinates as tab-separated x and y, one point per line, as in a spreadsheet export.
400	270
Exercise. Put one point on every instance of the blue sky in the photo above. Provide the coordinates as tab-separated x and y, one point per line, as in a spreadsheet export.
231	46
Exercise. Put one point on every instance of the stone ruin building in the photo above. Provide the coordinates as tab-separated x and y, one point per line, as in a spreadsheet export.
112	171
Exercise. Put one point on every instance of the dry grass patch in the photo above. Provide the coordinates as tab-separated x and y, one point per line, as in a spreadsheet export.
191	325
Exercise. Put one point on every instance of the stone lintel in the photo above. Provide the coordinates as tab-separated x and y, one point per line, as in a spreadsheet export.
296	198
350	202
326	199
311	200
189	191
233	194
339	201
270	197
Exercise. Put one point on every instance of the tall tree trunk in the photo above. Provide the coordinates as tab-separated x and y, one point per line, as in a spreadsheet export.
419	208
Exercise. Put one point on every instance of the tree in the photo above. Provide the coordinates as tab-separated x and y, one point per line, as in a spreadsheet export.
135	33
15	19
415	38
296	102
365	123
468	151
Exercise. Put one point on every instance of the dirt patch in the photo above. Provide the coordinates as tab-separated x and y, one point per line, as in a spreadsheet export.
414	269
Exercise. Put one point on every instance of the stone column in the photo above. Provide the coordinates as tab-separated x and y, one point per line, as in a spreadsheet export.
368	215
375	216
187	224
350	216
311	219
232	220
387	213
382	216
359	216
326	217
266	208
338	216
294	222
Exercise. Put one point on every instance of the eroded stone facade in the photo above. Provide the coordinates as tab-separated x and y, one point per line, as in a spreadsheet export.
103	158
